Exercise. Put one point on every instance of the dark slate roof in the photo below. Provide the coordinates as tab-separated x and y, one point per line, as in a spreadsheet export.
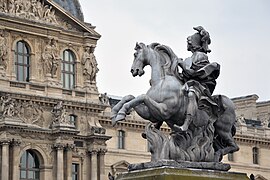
72	6
254	123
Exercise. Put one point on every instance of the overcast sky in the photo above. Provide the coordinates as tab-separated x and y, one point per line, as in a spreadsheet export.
239	30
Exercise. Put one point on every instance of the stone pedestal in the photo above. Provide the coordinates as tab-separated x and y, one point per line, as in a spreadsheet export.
170	173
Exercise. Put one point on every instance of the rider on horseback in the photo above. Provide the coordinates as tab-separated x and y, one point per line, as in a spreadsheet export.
199	76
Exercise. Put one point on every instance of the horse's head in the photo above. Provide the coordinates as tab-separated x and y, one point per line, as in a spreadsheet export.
140	60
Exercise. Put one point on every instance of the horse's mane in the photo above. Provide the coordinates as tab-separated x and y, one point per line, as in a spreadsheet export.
171	65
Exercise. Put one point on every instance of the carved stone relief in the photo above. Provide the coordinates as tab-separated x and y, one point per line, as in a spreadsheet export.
35	10
59	115
27	112
8	107
3	49
31	113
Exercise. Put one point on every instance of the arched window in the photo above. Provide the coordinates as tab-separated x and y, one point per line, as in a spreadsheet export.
255	153
121	139
68	69
29	166
22	61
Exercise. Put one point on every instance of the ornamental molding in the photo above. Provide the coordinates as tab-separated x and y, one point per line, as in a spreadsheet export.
90	107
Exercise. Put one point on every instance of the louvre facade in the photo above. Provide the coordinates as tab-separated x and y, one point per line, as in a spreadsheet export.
49	101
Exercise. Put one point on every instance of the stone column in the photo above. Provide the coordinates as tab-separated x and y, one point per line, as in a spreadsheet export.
5	160
69	149
102	164
94	165
16	160
59	161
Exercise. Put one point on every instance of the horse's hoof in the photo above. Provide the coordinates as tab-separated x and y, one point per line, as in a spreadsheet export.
113	121
120	117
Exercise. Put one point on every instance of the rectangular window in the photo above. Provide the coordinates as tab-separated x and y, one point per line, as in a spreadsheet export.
75	171
255	152
121	139
72	119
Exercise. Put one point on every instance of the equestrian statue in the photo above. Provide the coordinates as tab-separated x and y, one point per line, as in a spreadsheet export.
202	124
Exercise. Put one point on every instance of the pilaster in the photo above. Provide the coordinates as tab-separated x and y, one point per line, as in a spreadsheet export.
59	161
94	165
15	159
5	159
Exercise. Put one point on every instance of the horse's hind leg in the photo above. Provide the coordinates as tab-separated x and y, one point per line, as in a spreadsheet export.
230	148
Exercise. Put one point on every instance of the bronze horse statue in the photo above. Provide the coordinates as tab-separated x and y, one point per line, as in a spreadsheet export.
166	100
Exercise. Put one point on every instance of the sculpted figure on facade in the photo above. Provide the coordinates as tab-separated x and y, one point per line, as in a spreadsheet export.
3	6
11	6
7	106
104	99
202	124
59	113
30	9
51	58
3	49
89	63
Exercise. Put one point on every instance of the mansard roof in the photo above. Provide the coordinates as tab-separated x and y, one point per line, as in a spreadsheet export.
73	7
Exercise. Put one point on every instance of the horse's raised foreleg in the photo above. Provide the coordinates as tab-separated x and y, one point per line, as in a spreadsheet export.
159	110
118	106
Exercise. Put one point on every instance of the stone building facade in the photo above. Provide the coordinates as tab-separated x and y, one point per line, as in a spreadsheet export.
253	137
49	102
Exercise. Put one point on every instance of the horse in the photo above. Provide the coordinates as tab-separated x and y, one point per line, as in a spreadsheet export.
166	100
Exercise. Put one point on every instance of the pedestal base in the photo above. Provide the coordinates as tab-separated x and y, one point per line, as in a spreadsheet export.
170	173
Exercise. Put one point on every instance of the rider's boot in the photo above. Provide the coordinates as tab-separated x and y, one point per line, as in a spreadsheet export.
191	111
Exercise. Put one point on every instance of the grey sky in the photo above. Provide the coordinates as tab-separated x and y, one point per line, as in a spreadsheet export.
240	33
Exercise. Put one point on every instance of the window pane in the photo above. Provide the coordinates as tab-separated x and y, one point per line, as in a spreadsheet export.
25	50
20	46
36	175
66	67
71	68
71	57
30	174
71	81
23	160
66	56
66	81
23	174
20	59
30	161
20	73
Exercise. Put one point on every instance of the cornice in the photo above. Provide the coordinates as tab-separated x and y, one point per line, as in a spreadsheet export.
45	100
252	139
105	121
